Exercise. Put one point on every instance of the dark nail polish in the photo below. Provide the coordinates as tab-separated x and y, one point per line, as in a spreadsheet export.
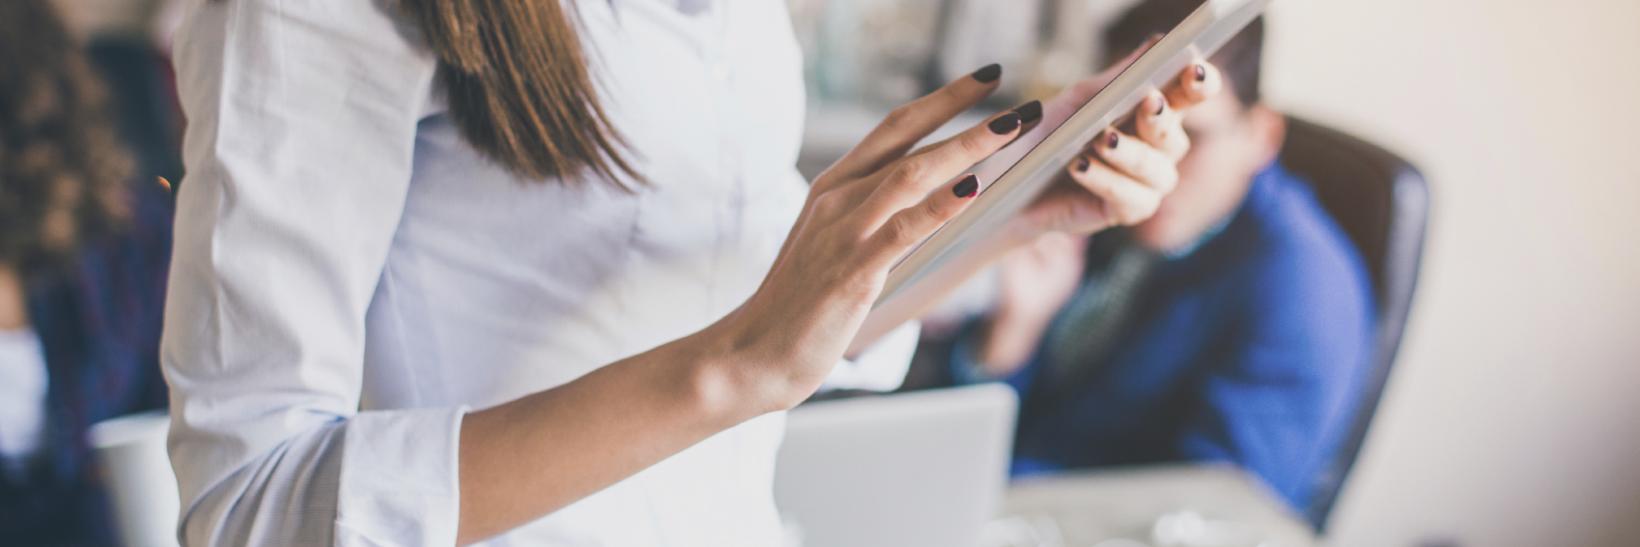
1004	124
967	188
988	73
1112	139
1029	112
1082	164
1201	73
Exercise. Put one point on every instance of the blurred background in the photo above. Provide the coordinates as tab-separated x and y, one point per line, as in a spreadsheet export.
1510	417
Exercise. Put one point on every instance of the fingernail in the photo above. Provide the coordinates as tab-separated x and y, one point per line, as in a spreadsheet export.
1005	124
1201	73
1082	164
1029	112
988	73
1112	138
1161	104
967	188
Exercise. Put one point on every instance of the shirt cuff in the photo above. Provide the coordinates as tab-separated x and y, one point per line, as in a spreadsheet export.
882	366
399	481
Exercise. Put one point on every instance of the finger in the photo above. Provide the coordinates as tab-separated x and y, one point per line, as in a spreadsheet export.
1030	115
913	121
1195	84
1126	201
1136	158
909	226
914	177
1161	127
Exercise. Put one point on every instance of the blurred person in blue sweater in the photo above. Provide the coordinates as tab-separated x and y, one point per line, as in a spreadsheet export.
84	245
1230	327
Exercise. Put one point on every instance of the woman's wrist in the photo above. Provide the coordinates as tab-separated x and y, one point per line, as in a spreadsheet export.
712	383
734	377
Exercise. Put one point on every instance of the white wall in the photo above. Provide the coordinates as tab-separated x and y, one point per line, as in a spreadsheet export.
1514	418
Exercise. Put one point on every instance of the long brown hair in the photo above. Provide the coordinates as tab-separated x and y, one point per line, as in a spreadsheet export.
518	86
63	170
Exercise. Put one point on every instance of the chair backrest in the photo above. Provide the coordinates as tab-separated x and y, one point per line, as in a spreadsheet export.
1382	202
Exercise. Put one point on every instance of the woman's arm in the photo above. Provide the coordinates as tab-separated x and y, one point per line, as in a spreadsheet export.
769	354
300	148
302	122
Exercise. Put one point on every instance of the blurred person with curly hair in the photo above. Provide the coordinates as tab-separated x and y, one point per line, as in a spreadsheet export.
83	253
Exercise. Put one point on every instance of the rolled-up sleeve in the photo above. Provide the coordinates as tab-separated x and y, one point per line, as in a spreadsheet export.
302	121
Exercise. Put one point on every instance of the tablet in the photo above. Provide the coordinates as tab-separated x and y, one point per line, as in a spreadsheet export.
1023	170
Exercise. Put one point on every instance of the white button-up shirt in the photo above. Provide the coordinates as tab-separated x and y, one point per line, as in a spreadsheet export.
350	276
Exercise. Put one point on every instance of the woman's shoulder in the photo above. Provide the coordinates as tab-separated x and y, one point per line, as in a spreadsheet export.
304	39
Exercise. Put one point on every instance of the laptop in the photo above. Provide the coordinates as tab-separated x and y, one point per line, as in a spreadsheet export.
915	469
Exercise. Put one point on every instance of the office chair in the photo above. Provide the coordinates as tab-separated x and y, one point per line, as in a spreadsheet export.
1382	202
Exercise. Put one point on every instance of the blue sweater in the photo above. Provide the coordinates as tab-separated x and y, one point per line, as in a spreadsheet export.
1248	351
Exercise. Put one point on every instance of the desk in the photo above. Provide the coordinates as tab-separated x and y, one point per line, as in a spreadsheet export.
1092	507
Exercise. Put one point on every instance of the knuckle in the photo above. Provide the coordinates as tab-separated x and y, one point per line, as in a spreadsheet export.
935	209
899	118
1125	212
1134	211
972	145
1094	179
900	230
914	169
829	203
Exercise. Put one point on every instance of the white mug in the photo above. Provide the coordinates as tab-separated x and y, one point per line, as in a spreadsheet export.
142	490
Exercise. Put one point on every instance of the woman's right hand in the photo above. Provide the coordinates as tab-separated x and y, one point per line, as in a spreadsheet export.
862	214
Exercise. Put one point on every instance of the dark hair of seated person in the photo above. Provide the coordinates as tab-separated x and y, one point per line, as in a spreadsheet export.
1238	59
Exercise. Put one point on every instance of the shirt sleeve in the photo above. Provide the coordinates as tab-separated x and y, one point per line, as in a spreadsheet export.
1277	402
302	121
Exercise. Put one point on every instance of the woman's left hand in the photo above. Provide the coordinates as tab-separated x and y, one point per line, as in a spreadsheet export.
1119	179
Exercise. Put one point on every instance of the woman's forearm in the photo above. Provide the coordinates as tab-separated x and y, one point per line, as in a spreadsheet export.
537	454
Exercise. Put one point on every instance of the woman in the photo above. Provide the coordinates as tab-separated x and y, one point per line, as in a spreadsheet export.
457	270
82	264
